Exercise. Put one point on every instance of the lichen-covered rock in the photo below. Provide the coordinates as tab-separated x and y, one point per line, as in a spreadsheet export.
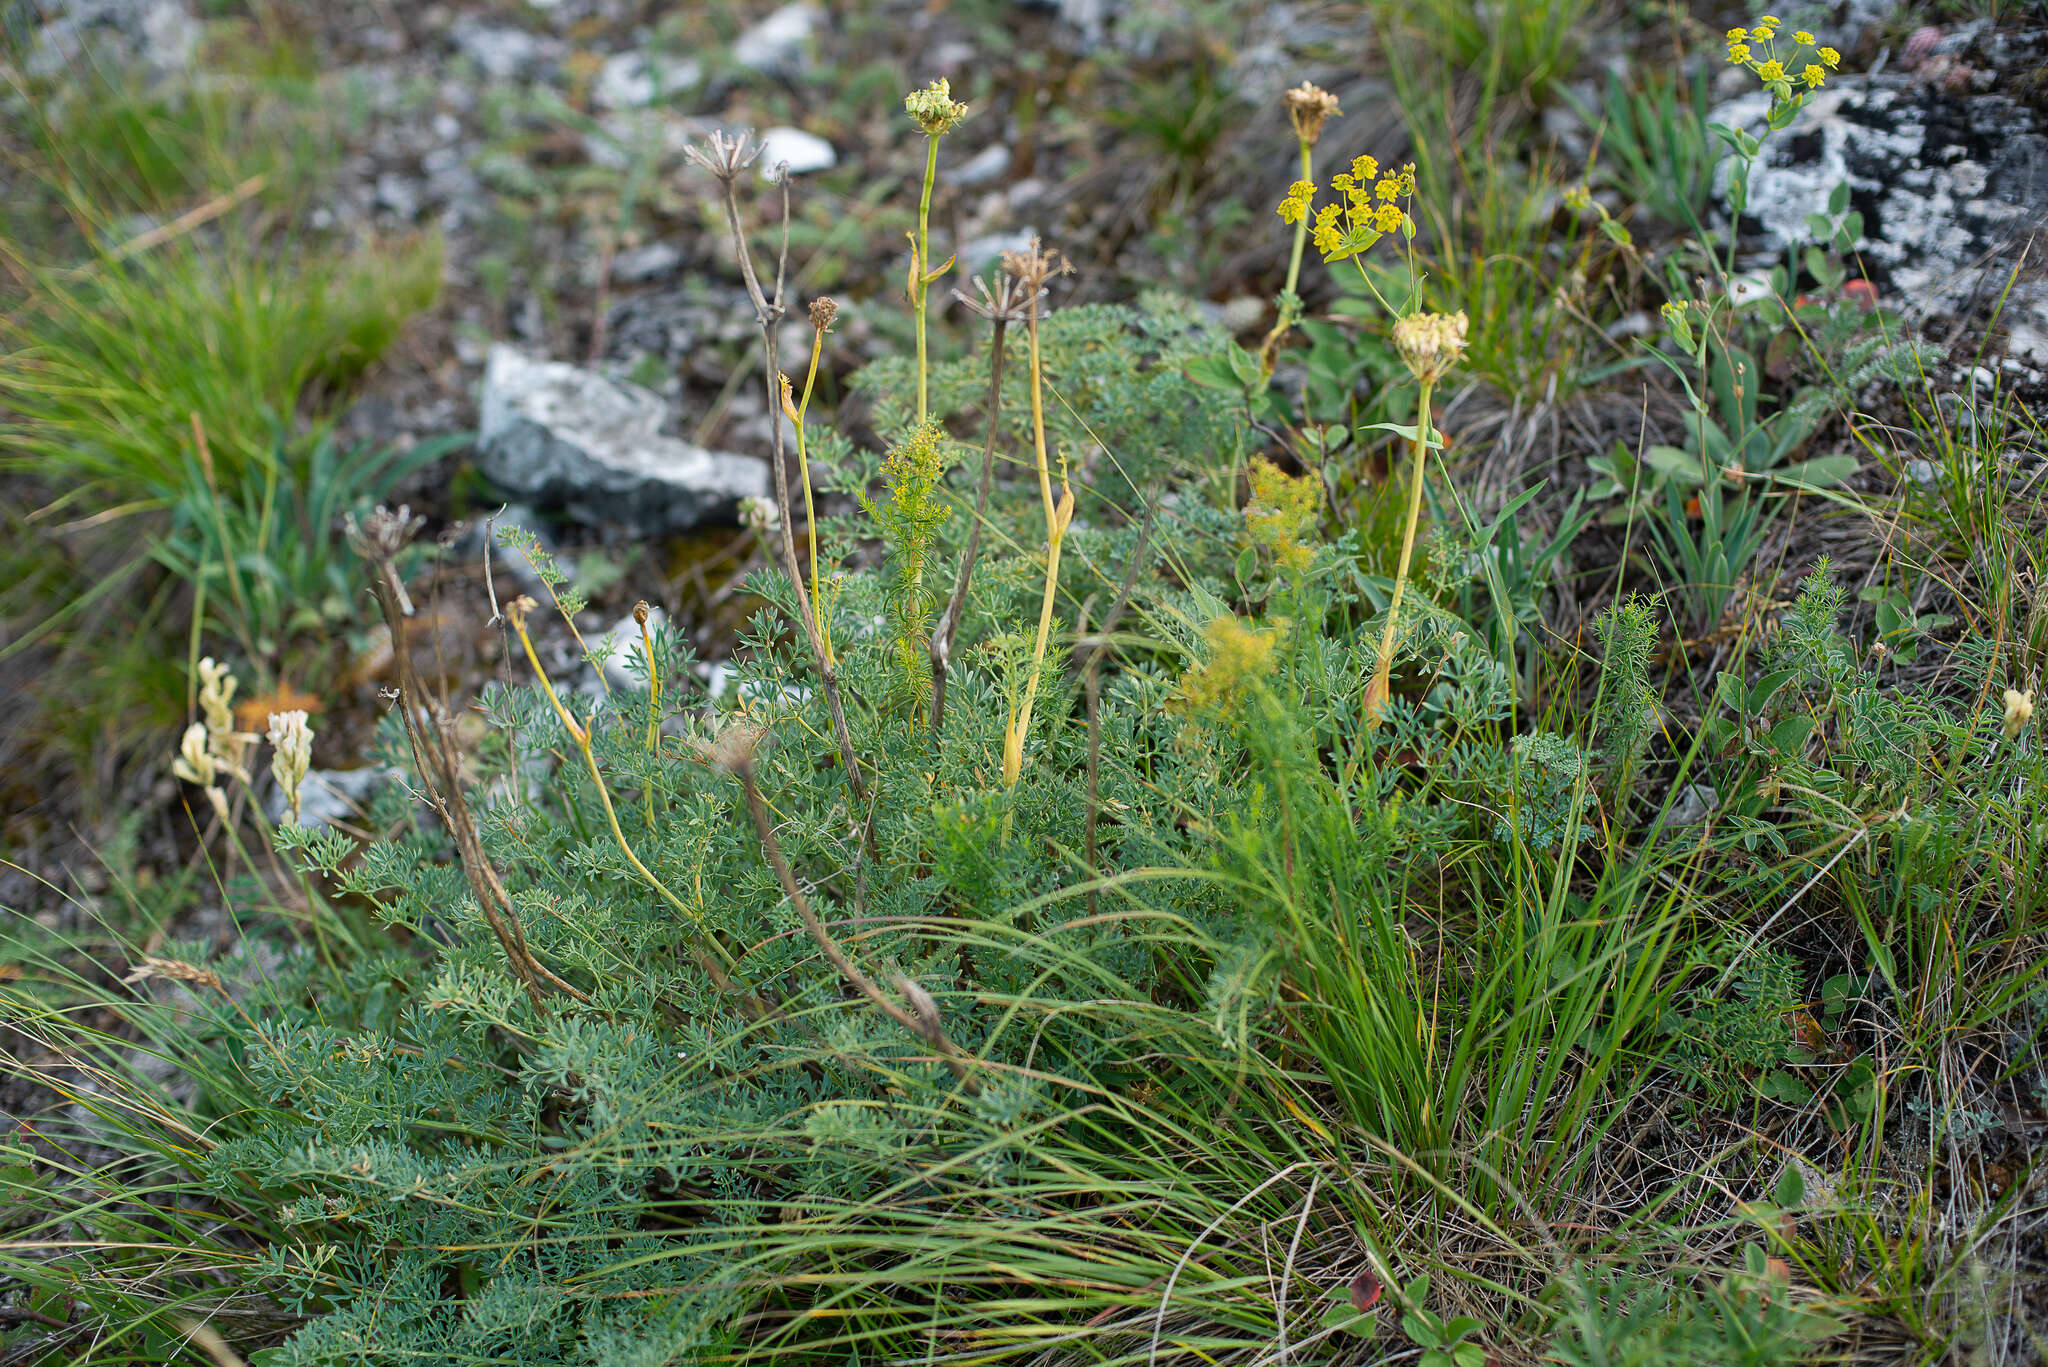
561	436
1950	184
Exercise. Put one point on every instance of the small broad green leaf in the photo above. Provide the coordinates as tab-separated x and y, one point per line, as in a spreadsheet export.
1789	736
1791	1187
1344	1320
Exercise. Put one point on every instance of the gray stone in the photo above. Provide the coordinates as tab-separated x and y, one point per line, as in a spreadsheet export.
399	194
649	262
978	254
985	167
1694	803
1950	185
634	80
500	52
560	435
780	45
331	797
801	152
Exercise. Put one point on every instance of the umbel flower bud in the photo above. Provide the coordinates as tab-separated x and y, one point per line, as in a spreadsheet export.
1309	107
291	744
1431	343
934	109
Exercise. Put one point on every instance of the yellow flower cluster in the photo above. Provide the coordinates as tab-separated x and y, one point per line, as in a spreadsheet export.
1366	210
1756	48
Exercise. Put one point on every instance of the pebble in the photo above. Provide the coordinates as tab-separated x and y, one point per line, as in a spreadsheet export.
803	152
780	44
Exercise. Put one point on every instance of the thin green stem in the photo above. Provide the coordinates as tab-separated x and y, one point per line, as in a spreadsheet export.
920	276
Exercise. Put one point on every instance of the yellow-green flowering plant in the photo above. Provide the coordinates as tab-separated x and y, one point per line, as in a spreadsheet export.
935	112
1370	204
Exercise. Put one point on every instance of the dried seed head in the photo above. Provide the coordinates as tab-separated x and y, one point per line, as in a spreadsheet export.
922	1005
1431	343
1309	107
291	744
641	612
934	109
1035	266
176	969
1008	302
733	748
384	533
724	157
823	311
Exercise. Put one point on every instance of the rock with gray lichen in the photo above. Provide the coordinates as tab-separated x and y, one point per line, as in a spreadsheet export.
1951	185
561	436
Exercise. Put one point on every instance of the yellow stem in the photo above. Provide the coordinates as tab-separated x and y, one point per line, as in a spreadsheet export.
803	468
1376	695
1056	517
653	719
581	736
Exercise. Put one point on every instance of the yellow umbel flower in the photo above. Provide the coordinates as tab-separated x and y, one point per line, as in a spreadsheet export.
1830	56
1364	167
1812	75
1803	38
1295	207
1772	71
1738	53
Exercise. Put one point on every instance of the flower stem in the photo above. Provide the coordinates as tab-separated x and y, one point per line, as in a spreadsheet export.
919	274
803	466
1377	692
1057	515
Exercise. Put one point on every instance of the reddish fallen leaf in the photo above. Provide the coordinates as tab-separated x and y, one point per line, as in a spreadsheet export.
253	714
1365	1291
1862	292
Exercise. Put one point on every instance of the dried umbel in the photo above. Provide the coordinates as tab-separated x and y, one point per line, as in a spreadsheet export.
724	157
823	311
934	109
1309	107
291	754
1431	343
1036	265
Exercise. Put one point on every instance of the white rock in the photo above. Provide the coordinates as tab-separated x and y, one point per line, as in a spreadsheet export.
1949	184
557	434
499	51
780	44
649	262
980	253
329	797
802	152
634	80
626	667
985	167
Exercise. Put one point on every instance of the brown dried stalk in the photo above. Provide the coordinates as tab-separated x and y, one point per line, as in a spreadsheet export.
725	158
1009	303
378	540
734	751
